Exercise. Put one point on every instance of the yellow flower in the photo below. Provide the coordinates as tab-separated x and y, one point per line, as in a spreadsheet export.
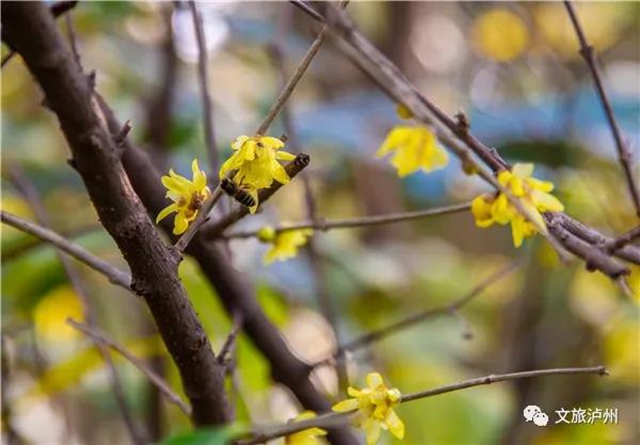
374	405
533	194
308	436
415	148
187	197
255	162
285	244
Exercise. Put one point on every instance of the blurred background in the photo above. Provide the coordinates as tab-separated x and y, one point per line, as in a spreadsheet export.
513	68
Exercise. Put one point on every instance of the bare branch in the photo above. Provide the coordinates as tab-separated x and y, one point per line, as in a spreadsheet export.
113	274
622	240
163	386
332	419
292	83
379	334
32	197
29	28
207	103
459	140
362	221
230	342
624	154
494	378
57	9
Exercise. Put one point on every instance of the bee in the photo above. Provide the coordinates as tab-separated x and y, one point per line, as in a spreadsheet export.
232	189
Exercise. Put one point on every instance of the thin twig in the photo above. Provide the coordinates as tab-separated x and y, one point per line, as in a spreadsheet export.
205	94
361	221
32	197
135	361
622	240
459	141
624	154
494	378
292	83
332	419
379	334
229	343
323	296
113	274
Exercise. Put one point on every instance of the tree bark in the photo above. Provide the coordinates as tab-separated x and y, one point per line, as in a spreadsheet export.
29	28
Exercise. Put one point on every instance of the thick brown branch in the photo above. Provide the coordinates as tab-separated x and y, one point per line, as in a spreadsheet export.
57	9
29	28
624	154
234	290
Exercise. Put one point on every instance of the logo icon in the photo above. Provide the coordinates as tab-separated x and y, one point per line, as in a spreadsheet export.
533	413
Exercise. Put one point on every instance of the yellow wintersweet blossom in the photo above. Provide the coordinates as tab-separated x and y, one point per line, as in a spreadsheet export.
414	148
187	197
533	195
501	35
374	405
308	436
285	244
255	162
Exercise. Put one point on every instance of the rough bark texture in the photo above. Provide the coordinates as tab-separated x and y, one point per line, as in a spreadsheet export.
29	29
235	292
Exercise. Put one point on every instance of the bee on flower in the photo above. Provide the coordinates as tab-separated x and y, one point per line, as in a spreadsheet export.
305	437
187	196
285	244
254	164
533	195
374	408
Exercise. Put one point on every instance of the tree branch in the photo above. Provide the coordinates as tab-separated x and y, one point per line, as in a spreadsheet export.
459	139
32	197
57	9
333	419
207	103
233	289
379	334
163	386
361	221
624	154
113	274
29	28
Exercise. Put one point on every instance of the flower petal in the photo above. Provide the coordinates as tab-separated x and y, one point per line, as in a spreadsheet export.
372	430
345	406
285	156
180	224
166	212
395	425
199	177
